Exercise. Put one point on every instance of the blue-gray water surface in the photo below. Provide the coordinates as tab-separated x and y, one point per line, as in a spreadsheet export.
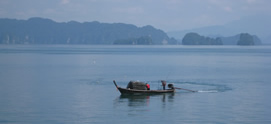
73	84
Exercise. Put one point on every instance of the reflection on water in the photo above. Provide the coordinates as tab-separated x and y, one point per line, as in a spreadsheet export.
143	100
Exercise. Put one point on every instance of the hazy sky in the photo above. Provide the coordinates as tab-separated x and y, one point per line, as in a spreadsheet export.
167	15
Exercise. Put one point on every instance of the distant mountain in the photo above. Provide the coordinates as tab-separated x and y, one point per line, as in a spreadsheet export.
257	25
45	31
243	39
196	39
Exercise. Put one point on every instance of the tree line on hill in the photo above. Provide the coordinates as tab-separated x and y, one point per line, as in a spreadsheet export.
244	39
45	31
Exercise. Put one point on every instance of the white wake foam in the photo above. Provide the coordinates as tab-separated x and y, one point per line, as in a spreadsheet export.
207	91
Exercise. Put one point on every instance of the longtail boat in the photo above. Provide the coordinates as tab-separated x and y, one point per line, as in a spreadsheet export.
124	91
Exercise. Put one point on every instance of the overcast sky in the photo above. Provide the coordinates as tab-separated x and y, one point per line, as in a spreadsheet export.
168	15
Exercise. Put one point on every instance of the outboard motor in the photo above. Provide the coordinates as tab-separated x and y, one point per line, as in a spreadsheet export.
170	86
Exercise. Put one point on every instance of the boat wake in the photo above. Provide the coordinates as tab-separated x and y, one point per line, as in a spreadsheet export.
201	87
207	91
204	87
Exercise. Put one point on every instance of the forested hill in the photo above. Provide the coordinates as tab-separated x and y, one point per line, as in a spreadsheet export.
244	39
45	31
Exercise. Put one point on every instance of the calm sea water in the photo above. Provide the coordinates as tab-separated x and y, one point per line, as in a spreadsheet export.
73	84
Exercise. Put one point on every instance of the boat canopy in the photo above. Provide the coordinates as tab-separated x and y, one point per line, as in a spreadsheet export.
137	85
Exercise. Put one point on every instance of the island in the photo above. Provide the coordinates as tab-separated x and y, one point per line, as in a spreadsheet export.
196	39
243	39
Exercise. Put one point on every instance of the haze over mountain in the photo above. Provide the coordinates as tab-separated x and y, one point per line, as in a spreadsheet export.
256	25
167	15
45	31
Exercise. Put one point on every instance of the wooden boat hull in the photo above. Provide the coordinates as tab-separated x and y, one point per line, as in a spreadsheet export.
132	91
135	92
